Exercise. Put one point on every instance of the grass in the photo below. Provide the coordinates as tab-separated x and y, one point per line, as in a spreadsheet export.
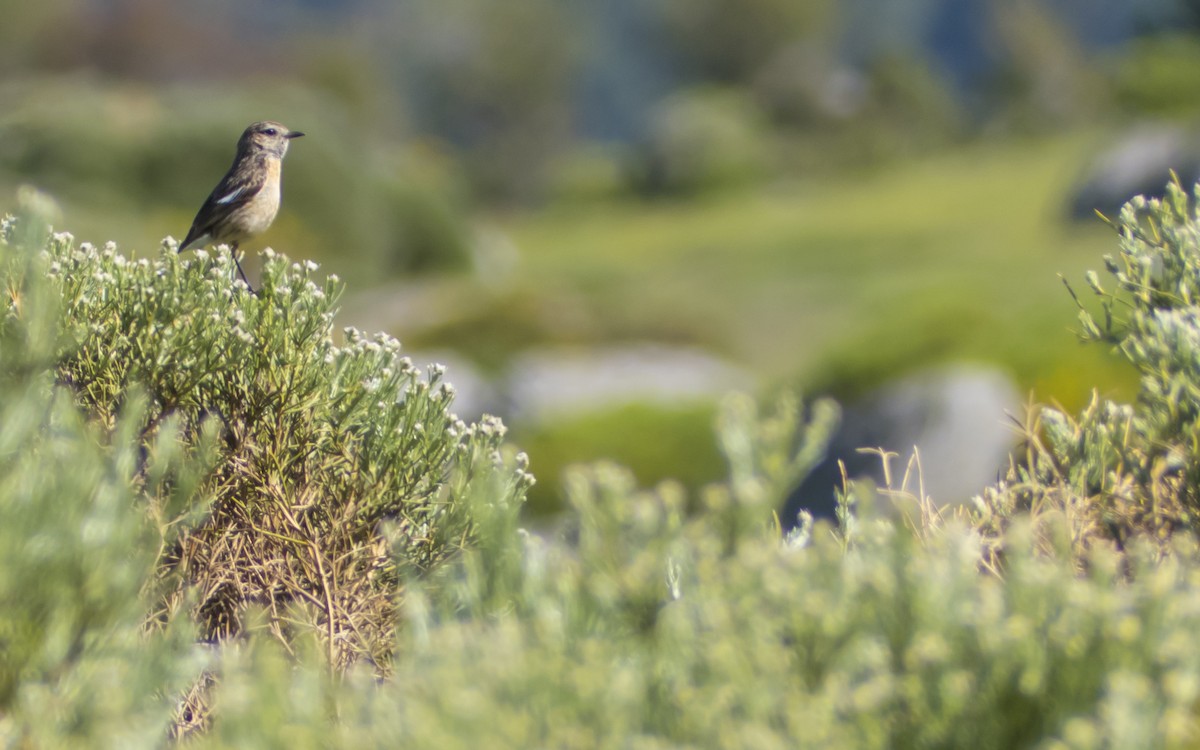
641	437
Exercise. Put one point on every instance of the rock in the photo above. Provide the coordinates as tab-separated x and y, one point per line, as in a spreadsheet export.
549	382
1138	164
955	416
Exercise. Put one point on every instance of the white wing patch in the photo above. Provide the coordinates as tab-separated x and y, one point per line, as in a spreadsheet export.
232	196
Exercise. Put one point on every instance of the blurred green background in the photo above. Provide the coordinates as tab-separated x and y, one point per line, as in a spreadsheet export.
603	214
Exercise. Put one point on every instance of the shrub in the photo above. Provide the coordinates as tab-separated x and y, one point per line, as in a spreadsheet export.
78	545
702	140
338	468
1121	470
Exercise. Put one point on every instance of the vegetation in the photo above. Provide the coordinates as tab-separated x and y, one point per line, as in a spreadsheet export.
1124	471
832	281
216	522
224	521
250	460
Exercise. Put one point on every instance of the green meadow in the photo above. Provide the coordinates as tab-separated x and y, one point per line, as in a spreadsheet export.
842	281
830	285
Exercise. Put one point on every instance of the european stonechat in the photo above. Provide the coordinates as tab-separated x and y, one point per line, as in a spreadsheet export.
245	201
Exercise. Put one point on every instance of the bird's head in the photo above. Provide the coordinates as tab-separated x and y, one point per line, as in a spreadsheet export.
267	137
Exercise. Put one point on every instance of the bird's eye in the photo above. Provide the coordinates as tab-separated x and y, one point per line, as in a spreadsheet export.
271	131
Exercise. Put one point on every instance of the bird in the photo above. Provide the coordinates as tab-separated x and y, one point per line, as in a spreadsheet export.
245	201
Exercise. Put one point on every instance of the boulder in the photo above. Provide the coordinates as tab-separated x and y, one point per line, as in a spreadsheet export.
550	382
957	416
1139	163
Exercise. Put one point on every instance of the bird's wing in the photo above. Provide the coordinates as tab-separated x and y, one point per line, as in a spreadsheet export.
234	191
231	197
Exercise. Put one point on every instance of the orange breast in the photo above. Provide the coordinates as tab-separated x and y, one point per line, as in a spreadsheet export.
258	213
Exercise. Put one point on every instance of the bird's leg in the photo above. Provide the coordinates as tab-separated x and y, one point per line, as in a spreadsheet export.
233	248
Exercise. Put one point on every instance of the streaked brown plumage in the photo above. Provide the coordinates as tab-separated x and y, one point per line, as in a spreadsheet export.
245	201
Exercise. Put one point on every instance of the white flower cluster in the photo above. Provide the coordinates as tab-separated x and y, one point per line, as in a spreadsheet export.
488	432
521	470
387	342
493	426
458	429
1180	329
1118	412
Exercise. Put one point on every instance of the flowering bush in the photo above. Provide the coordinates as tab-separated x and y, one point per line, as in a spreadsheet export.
336	471
1118	471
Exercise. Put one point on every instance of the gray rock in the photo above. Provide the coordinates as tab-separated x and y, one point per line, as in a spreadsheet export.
956	417
1138	164
545	383
549	382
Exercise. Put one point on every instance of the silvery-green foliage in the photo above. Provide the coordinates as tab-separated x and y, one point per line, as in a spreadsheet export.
338	468
1116	469
639	625
79	538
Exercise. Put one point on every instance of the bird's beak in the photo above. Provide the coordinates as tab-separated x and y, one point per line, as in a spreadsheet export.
293	134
